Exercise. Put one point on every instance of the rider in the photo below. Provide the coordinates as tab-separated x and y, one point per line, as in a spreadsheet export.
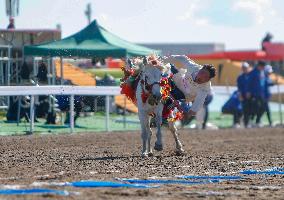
190	83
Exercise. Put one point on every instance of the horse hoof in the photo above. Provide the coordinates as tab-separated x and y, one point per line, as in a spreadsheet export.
180	152
144	155
158	147
150	154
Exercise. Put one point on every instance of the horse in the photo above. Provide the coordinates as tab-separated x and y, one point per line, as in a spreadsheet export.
150	106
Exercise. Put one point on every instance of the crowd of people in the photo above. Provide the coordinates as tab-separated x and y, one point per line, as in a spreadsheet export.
251	100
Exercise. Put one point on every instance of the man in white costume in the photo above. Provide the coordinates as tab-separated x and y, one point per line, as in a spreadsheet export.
190	82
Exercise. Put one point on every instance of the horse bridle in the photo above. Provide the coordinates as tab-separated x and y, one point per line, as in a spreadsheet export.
148	86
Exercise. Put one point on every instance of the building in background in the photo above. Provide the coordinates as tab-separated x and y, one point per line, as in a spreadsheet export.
12	42
186	48
273	54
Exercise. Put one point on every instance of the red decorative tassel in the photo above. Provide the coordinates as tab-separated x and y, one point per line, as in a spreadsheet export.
128	91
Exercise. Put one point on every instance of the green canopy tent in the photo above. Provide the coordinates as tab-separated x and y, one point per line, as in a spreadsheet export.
92	41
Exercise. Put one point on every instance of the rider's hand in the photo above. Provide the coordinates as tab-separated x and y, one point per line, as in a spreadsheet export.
189	114
187	117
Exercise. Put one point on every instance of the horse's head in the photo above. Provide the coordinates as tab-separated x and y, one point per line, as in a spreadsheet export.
153	72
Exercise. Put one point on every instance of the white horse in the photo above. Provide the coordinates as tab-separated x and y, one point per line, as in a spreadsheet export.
148	94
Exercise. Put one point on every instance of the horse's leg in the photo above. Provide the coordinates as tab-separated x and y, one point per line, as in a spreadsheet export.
149	130
179	150
144	120
159	143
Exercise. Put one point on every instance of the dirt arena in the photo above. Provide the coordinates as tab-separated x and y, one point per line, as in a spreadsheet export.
27	161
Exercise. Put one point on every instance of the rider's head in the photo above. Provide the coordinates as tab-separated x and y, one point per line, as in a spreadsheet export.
205	74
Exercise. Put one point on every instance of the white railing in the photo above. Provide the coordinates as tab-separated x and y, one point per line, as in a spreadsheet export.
61	90
85	91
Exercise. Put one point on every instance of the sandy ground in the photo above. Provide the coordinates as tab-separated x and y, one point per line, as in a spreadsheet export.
60	158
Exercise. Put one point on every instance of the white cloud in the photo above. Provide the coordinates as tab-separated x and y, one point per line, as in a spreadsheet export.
191	14
202	22
259	9
103	16
104	20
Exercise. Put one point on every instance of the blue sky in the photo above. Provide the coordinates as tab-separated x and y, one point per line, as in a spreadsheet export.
240	24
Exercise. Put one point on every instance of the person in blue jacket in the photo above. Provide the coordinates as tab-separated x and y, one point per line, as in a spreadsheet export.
243	90
256	90
268	83
233	106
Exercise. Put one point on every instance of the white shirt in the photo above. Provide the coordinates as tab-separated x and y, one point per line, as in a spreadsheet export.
184	81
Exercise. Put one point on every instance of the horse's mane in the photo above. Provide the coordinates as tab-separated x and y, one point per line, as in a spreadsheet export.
150	61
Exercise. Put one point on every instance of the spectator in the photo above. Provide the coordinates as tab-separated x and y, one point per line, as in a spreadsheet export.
12	113
233	106
256	88
64	105
25	71
11	24
268	83
242	83
268	37
42	72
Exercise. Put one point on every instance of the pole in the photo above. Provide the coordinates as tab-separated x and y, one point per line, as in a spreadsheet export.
48	71
19	110
53	71
23	55
71	112
9	67
34	68
32	112
107	113
35	78
49	82
9	72
17	69
2	70
61	81
61	71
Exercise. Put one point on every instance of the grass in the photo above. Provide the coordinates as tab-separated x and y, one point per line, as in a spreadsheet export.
96	123
226	121
116	73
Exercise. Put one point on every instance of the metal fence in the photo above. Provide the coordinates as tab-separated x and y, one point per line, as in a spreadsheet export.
107	91
33	91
